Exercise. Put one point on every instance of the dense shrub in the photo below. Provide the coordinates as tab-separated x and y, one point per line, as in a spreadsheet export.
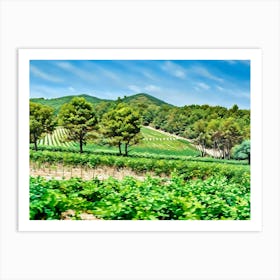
152	199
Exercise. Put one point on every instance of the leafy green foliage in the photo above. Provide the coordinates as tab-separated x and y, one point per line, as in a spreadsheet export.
242	151
143	98
189	169
41	121
212	127
152	199
121	125
133	100
138	152
47	201
79	118
56	103
202	189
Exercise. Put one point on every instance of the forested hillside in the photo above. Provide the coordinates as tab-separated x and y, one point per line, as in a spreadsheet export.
56	103
137	99
209	127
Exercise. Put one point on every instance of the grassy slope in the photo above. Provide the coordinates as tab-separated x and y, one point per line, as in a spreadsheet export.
154	142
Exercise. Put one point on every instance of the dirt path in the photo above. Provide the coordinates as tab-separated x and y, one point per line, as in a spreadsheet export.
60	172
209	152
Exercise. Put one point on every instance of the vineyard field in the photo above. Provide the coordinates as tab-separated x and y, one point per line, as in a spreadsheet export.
190	169
57	139
129	199
153	142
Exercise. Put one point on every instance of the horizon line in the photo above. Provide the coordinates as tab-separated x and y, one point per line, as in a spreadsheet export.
144	93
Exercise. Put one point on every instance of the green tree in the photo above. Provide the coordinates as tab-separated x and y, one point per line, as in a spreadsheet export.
102	108
216	135
232	135
202	139
41	121
78	116
121	126
233	110
149	114
242	151
161	116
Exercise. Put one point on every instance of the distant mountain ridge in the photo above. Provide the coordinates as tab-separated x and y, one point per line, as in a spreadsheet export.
140	98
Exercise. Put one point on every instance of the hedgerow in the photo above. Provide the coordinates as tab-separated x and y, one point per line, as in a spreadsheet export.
188	169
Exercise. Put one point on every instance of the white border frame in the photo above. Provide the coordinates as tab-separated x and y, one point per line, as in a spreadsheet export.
254	55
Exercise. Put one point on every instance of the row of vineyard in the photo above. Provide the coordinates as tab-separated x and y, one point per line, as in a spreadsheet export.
57	139
152	143
189	169
137	153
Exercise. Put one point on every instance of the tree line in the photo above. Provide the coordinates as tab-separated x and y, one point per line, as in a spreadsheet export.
209	127
118	124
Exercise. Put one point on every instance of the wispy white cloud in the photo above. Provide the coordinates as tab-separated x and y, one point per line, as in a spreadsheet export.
140	70
134	88
148	88
152	88
203	86
203	72
237	93
46	91
103	72
179	83
174	69
67	66
71	89
234	62
220	88
54	92
43	75
109	74
149	75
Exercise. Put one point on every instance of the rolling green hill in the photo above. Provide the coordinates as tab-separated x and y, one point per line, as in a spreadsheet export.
137	99
56	103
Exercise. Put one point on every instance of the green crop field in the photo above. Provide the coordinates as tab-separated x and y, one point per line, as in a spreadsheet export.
153	142
150	134
129	199
57	139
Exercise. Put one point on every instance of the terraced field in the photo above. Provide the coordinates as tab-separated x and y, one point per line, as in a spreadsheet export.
57	139
153	142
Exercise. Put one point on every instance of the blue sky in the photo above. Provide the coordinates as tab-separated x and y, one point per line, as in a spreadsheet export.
178	82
